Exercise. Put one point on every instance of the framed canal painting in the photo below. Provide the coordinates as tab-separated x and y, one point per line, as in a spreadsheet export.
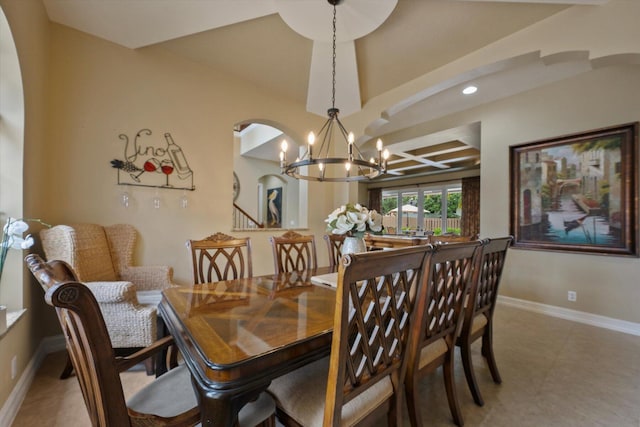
577	193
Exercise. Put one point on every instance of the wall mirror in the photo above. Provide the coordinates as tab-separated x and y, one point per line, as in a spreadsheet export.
267	198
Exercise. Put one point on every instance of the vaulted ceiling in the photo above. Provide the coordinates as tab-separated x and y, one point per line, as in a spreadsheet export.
284	45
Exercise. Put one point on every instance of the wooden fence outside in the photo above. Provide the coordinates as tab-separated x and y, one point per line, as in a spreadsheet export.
429	224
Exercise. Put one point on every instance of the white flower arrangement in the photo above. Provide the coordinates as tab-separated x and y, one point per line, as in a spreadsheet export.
354	220
12	237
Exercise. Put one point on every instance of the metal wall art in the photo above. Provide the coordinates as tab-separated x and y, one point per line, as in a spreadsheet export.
158	163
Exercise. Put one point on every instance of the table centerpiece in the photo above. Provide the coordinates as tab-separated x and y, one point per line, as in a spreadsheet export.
353	221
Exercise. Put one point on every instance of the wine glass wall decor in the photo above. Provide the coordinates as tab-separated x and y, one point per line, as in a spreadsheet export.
153	162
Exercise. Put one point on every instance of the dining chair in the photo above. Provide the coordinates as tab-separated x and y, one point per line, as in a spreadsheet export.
447	281
361	380
478	315
293	252
169	400
220	257
334	246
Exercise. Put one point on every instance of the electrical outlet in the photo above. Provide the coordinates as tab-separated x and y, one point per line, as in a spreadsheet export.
14	367
572	296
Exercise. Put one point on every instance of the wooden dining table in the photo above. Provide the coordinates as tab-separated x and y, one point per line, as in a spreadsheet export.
237	335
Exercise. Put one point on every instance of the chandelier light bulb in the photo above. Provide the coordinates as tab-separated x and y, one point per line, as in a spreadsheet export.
311	138
351	138
379	144
385	154
283	145
347	166
321	166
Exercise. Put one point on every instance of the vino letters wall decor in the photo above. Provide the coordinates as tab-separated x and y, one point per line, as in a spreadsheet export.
153	162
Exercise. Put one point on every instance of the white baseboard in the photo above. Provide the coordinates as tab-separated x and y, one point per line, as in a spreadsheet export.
574	315
12	405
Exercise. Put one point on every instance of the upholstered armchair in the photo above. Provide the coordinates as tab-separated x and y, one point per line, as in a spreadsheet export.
102	257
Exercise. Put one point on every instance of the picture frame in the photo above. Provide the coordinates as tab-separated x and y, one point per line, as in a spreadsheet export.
577	193
274	207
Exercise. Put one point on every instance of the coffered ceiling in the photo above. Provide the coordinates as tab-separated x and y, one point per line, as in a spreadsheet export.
283	45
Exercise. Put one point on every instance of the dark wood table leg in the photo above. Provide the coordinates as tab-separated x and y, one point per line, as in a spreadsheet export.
160	358
221	408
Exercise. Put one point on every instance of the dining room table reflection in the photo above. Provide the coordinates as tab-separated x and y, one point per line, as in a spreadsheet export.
236	336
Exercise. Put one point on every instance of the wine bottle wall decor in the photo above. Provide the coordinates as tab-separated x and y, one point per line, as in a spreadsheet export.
153	162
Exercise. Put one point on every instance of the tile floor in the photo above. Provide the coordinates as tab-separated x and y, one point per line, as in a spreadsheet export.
555	373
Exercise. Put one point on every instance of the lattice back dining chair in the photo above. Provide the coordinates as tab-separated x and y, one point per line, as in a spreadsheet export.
293	252
433	344
478	316
334	247
361	381
220	257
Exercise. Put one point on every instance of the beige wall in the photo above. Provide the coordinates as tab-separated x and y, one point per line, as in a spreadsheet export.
605	285
87	92
102	90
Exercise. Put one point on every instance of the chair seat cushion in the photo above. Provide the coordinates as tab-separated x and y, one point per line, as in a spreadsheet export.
172	393
479	322
432	351
301	394
169	395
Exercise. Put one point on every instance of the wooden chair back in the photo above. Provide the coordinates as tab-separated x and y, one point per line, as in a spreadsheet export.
440	307
293	252
483	292
88	344
95	361
450	238
373	316
478	316
220	257
334	246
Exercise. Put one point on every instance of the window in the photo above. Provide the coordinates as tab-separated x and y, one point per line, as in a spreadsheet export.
11	158
434	209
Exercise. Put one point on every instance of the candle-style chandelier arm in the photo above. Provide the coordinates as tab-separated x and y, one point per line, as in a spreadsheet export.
355	167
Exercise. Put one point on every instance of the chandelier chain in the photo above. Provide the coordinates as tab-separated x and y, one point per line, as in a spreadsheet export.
355	167
333	74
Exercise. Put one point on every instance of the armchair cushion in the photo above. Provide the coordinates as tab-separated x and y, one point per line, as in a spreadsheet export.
113	292
129	323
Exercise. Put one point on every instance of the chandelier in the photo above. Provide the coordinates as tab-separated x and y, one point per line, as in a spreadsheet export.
314	165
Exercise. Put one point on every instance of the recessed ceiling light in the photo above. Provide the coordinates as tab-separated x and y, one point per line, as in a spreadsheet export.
469	90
